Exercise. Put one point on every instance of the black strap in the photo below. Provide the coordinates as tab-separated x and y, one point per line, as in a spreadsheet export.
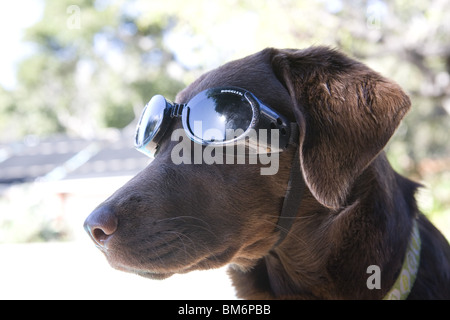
292	199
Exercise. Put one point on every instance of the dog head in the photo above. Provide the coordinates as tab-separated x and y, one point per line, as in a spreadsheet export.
174	218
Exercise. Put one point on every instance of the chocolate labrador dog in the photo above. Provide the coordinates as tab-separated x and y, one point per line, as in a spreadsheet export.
331	219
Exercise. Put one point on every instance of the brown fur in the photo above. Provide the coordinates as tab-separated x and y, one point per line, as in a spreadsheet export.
356	211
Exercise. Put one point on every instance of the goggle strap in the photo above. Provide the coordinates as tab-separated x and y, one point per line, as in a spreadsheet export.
177	110
292	199
293	138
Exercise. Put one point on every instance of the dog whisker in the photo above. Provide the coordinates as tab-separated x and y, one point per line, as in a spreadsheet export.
206	228
194	244
184	217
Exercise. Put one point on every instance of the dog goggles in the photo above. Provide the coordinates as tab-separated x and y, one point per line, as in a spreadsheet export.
217	117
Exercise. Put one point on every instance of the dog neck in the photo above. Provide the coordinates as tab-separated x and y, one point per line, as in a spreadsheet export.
326	254
279	279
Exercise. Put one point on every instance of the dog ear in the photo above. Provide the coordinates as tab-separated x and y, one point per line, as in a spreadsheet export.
346	114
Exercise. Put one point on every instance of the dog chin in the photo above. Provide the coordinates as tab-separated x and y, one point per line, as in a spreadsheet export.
153	276
143	273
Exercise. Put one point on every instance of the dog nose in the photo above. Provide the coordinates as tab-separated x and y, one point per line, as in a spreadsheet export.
101	224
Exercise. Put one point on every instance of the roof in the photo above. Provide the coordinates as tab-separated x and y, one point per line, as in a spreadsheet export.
63	157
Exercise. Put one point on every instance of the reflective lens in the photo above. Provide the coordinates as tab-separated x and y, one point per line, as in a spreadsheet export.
214	115
150	121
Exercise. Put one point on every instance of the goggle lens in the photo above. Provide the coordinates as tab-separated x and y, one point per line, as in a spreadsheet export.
151	119
214	116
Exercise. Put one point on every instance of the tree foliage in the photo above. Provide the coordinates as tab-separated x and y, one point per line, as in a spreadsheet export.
99	71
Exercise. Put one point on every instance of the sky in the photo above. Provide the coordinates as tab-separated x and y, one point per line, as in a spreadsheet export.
15	17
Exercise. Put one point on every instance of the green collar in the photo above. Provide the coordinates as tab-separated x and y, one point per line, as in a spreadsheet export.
405	281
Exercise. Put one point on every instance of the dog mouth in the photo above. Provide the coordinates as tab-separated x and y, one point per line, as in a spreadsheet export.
154	276
157	263
150	273
129	264
144	273
151	269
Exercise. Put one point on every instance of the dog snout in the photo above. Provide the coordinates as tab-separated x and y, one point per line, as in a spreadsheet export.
101	225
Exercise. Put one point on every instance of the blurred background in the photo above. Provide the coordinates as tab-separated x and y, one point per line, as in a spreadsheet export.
74	75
